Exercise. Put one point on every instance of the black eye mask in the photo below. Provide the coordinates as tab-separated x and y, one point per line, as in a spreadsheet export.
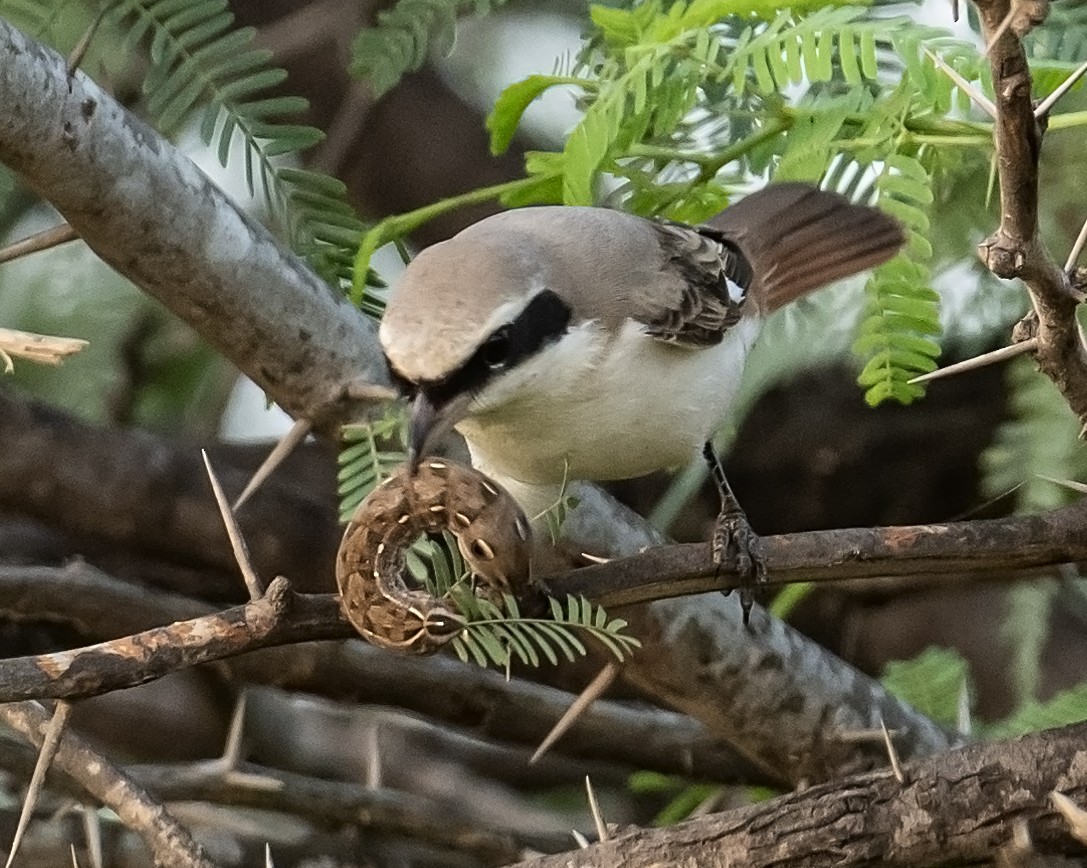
543	321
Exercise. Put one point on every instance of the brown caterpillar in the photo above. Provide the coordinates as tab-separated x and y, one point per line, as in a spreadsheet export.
492	533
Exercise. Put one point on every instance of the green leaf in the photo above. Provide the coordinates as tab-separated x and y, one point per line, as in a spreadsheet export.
506	114
931	682
1068	706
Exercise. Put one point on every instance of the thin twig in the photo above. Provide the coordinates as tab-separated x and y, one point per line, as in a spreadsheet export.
1015	250
44	349
44	240
985	359
237	541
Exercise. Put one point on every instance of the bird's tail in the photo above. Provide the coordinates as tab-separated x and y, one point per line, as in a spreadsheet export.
799	238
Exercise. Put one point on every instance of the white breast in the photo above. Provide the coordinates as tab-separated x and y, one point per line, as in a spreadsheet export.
606	409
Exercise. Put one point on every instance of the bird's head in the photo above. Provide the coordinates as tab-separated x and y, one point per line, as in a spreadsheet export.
465	317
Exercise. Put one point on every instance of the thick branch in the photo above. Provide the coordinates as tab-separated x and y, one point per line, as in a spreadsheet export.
958	808
145	209
1015	250
169	842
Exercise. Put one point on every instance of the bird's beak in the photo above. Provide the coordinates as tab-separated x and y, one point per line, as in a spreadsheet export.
424	419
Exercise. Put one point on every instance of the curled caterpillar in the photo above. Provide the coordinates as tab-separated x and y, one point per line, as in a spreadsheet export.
492	533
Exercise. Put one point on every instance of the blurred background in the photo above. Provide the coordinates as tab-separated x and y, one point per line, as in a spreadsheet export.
122	419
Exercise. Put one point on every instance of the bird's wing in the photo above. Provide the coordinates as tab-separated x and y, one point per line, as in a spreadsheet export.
702	289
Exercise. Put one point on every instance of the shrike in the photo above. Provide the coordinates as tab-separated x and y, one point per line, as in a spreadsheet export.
586	343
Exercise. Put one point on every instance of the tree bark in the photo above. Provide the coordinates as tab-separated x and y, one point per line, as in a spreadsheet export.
958	808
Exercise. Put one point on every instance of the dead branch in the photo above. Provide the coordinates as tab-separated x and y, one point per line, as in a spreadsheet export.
1015	250
335	803
957	808
169	842
478	700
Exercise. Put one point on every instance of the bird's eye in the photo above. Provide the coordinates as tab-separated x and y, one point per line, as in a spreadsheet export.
496	351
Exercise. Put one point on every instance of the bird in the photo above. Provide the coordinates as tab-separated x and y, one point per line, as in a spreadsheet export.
586	343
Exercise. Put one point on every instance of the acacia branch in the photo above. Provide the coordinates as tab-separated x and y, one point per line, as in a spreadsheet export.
990	546
958	808
1015	250
170	843
460	694
150	213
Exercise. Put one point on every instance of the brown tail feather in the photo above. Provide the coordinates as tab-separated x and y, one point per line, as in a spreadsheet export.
799	238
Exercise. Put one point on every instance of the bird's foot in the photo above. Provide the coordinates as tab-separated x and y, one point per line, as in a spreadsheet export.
734	538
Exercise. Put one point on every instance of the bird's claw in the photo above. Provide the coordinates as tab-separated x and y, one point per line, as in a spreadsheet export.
734	538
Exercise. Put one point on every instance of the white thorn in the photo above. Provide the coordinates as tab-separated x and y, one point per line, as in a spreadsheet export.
985	359
593	691
1065	483
92	829
1043	108
1000	30
594	809
50	742
964	721
1077	248
1075	816
232	751
969	89
892	753
237	541
279	453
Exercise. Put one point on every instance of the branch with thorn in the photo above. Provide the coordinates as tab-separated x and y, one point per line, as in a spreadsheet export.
1015	250
960	807
170	843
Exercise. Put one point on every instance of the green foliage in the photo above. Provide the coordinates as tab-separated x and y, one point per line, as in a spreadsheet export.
1062	37
684	797
39	18
1038	442
932	682
500	635
404	37
1068	706
1025	632
495	635
371	452
200	62
903	314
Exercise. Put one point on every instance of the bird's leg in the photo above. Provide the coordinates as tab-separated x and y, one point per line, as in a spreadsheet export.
732	535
